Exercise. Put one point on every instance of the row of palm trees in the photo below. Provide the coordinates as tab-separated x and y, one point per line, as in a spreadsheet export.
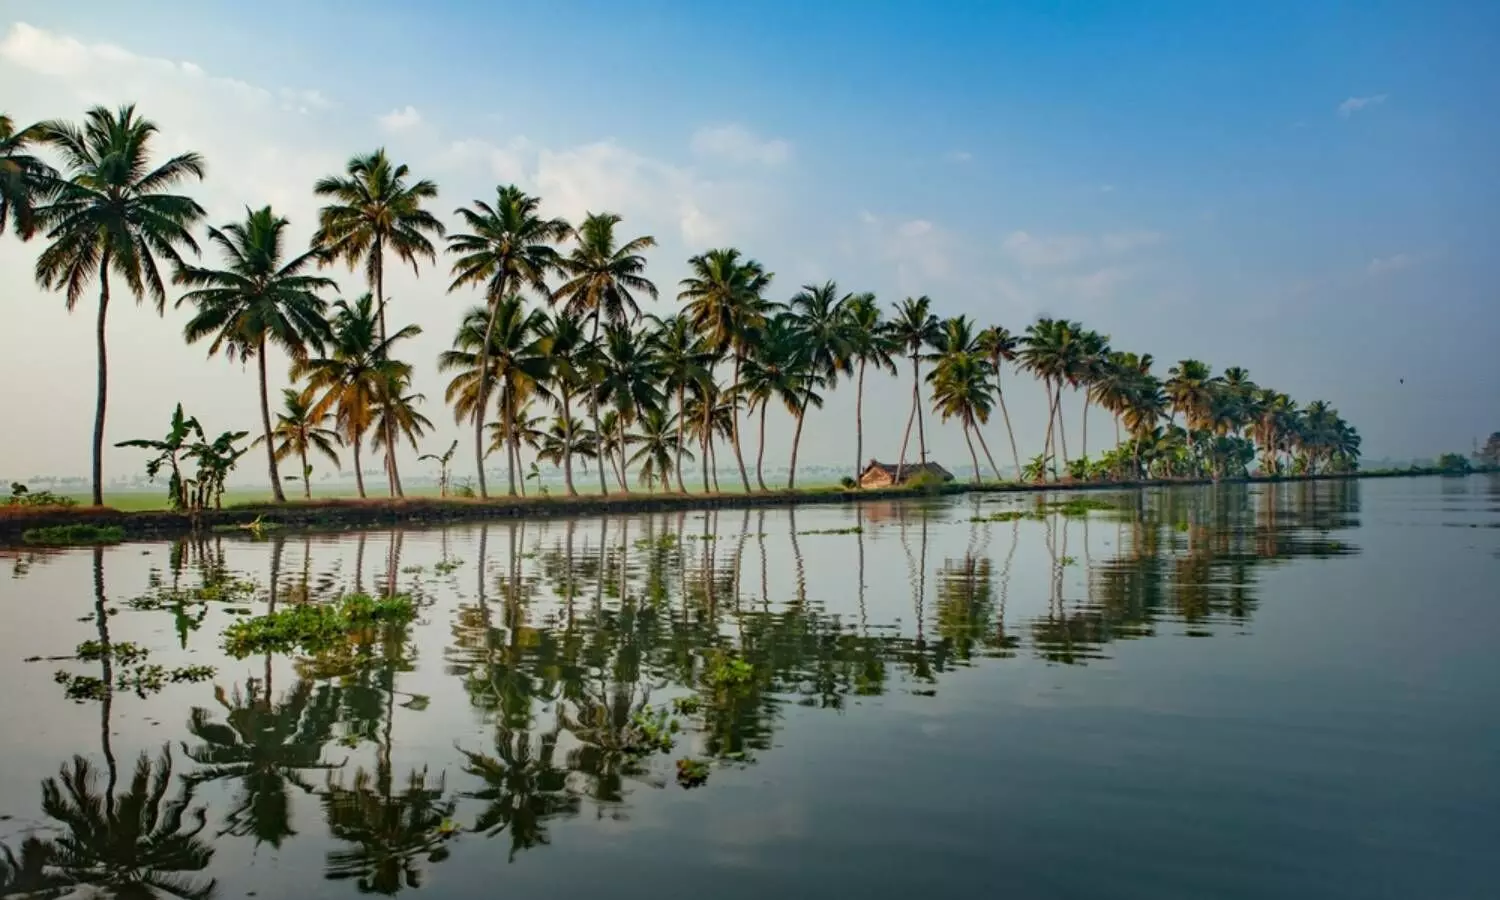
561	329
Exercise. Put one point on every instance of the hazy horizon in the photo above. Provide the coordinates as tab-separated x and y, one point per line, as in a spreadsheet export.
1306	192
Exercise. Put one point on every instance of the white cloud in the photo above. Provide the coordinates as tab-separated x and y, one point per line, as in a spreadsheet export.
738	144
1033	251
1126	241
1357	104
958	156
403	119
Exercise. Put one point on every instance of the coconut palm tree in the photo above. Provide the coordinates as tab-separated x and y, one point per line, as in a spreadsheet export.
255	301
961	389
1045	352
374	208
111	212
567	350
297	431
515	359
779	369
914	329
24	179
1088	365
629	379
396	417
562	441
869	342
659	448
999	346
725	297
509	247
685	363
348	380
1190	387
820	319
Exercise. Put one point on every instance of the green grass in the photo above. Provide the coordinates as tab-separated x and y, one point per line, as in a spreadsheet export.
66	535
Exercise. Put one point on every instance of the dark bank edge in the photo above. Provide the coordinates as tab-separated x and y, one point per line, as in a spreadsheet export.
344	514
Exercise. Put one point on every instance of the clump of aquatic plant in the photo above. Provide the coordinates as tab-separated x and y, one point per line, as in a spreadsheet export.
20	495
65	535
1081	506
314	627
650	731
852	529
132	672
446	566
727	671
692	773
1009	515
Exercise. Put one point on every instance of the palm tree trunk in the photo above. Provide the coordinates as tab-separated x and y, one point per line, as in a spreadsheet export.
103	385
568	444
359	474
483	399
791	479
973	457
1085	439
1047	442
306	481
106	673
507	414
594	412
265	422
906	439
916	397
760	454
1005	413
378	250
624	464
859	421
734	425
987	454
1062	434
706	439
681	426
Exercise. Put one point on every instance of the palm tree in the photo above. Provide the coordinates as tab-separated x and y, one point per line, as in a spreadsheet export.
913	329
396	417
821	320
297	430
1086	367
1190	386
659	450
999	346
605	276
564	346
1045	352
725	297
350	378
778	370
562	441
111	212
515	358
684	363
24	179
869	342
375	209
508	247
257	300
961	383
629	375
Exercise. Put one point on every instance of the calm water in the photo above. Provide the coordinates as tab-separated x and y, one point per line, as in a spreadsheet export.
1232	692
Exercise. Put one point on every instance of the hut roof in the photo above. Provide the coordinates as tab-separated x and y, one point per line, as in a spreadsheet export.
909	471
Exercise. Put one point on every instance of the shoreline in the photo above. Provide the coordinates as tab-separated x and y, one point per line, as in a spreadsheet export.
345	514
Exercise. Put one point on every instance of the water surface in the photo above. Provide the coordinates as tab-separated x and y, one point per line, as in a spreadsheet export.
1241	691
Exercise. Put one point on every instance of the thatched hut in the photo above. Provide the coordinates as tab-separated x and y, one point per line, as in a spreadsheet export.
878	474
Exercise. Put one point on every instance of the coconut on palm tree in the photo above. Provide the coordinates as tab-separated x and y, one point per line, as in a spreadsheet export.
24	179
255	301
914	329
374	208
297	431
509	247
725	301
111	212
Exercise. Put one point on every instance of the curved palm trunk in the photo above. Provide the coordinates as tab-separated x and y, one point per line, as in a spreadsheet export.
1047	453
103	384
359	472
1084	449
1062	434
760	454
681	426
973	457
734	425
568	444
484	389
594	412
987	455
859	421
706	440
265	424
306	481
905	440
916	396
791	480
624	464
1010	432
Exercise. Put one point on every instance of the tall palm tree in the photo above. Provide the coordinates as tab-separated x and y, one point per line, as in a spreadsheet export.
659	449
629	375
396	416
374	208
869	342
111	212
349	379
257	300
1046	352
1088	365
999	346
298	431
509	246
1190	387
685	363
514	358
24	179
820	318
725	297
566	349
961	389
914	329
779	369
605	276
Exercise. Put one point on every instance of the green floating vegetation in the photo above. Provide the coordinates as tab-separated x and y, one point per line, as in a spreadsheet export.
727	671
314	627
446	566
66	535
1009	515
134	673
691	773
650	731
852	529
1082	506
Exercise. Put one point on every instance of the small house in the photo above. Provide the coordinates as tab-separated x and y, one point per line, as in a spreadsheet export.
878	474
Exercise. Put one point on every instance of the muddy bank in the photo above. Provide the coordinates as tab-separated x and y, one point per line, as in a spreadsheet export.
348	513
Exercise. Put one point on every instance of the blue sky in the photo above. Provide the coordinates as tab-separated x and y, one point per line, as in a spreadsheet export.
1306	190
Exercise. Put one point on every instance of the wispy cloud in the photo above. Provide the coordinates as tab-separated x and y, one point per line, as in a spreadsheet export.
739	144
403	119
1396	262
958	156
1359	104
